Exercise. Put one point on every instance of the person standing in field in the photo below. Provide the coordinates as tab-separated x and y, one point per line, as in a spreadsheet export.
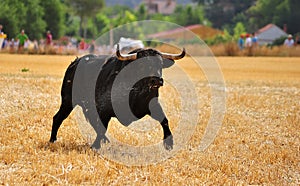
2	38
92	47
254	40
248	42
241	42
289	42
48	41
22	38
248	45
49	38
82	46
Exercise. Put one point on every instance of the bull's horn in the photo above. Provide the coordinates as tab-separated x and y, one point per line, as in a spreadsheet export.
174	56
124	57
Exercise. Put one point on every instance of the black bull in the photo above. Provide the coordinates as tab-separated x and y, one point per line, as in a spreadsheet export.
97	84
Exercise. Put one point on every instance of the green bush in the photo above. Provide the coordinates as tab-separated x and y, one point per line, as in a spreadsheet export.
278	41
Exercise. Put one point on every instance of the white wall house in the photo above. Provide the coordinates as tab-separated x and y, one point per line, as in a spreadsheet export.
269	33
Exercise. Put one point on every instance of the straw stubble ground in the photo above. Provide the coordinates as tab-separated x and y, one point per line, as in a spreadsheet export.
259	142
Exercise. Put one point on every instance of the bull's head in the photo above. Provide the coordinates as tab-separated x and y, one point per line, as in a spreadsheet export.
144	52
151	62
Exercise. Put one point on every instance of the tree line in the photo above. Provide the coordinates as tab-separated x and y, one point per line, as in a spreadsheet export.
91	18
254	14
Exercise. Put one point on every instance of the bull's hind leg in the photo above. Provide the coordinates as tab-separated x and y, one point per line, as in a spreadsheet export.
64	111
100	128
158	114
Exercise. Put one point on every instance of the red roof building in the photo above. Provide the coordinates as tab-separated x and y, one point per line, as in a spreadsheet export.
269	33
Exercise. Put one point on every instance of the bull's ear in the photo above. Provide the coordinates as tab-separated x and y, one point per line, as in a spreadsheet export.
167	63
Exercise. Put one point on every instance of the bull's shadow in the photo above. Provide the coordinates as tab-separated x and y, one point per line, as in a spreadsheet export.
65	147
105	87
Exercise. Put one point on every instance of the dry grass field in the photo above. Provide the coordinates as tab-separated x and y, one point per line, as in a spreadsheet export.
258	143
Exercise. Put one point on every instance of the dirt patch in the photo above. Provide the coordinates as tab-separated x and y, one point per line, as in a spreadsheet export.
259	142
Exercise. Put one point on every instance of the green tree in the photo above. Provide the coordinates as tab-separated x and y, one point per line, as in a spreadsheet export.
222	12
293	22
263	13
142	12
85	9
72	25
188	15
101	22
238	30
54	12
12	16
124	18
22	14
109	18
34	24
279	12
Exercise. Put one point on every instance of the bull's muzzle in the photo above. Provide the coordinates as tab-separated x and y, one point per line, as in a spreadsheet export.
161	82
155	83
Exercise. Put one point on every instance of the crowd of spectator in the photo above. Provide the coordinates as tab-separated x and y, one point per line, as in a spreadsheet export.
247	41
66	45
250	41
70	45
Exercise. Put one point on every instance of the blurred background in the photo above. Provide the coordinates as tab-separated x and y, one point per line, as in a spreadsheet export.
220	23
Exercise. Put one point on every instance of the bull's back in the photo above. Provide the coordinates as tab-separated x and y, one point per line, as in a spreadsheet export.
66	89
85	77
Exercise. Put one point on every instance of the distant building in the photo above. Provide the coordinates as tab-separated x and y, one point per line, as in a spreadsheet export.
269	33
165	7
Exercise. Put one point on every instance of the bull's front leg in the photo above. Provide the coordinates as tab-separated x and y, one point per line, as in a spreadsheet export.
168	137
158	114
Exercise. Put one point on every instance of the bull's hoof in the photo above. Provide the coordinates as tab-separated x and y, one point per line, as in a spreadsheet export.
168	143
104	140
52	140
97	143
